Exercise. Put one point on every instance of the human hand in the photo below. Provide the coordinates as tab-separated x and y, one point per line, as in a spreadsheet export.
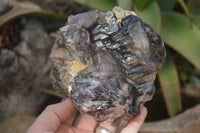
58	118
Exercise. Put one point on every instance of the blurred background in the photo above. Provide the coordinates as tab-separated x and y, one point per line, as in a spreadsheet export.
28	30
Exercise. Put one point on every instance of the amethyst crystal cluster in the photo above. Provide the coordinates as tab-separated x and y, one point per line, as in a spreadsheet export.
106	63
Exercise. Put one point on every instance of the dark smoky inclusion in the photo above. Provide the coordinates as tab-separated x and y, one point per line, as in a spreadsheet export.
106	63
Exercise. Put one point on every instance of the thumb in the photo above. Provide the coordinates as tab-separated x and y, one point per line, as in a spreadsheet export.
134	125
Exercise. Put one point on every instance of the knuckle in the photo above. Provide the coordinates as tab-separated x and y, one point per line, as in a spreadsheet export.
50	107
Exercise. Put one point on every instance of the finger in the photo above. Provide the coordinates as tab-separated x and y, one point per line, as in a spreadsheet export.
87	123
67	129
134	125
110	127
53	116
70	120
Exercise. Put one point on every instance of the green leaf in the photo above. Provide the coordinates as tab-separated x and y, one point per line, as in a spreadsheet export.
195	18
170	86
102	5
194	8
185	8
151	15
166	5
125	4
12	15
141	4
178	34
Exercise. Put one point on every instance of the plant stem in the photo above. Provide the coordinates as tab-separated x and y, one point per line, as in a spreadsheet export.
47	91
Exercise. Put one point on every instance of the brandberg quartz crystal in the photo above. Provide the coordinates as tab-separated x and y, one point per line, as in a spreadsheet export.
106	63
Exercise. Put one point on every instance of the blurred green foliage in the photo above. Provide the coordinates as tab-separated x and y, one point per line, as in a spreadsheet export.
178	23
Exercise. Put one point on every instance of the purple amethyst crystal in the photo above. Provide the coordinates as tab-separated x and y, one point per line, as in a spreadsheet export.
106	63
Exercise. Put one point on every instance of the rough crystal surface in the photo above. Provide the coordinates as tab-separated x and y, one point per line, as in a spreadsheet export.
106	63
